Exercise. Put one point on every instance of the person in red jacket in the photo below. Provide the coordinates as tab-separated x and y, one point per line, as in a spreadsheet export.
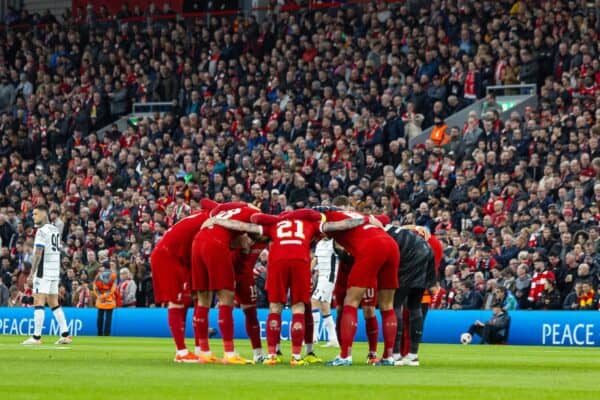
540	276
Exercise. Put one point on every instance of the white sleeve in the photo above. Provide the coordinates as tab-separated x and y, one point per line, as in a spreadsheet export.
40	238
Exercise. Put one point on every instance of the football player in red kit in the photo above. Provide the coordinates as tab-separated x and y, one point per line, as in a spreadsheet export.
291	235
376	261
171	262
213	272
368	303
245	289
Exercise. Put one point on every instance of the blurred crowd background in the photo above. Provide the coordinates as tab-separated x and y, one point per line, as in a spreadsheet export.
297	107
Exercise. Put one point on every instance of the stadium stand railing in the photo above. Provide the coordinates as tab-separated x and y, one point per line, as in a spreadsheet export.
525	96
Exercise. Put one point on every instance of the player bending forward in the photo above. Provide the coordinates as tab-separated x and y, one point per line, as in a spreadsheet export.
289	269
171	264
45	276
417	272
376	259
213	272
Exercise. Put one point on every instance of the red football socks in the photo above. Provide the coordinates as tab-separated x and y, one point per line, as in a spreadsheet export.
297	333
252	327
338	326
309	325
200	323
226	327
273	331
390	328
372	327
176	318
348	330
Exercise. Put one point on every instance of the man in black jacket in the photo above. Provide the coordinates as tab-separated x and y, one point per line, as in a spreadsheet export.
416	273
494	331
471	299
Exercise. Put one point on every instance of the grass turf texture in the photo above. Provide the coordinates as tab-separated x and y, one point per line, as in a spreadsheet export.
131	368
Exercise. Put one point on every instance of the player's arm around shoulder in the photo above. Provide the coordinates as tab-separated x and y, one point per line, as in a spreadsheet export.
344	225
233	225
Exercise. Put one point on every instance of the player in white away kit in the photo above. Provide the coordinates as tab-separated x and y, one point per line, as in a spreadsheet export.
327	262
45	276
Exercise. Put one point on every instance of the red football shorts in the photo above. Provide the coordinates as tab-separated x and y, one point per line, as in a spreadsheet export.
170	278
369	298
245	285
293	275
376	267
212	265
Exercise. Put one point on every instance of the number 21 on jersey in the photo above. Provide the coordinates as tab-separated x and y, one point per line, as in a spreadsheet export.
290	229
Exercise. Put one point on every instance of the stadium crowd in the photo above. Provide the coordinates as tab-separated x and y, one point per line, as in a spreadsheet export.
293	110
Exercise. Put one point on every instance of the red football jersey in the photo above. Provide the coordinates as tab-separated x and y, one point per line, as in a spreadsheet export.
438	250
243	260
233	211
356	239
178	239
290	237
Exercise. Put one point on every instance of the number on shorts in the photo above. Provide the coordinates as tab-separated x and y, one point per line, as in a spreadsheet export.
369	294
285	229
253	293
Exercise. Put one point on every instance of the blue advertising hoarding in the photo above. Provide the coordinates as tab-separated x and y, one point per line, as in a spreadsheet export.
543	328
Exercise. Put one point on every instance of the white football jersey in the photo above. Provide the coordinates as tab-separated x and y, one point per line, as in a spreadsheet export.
48	238
326	258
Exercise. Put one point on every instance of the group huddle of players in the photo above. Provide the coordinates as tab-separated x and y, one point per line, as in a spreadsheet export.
214	251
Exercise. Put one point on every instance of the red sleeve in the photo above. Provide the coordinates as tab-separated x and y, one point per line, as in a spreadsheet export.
246	214
384	219
208	204
265	219
438	250
305	214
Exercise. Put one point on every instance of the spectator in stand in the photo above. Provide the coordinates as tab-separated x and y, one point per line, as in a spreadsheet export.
549	298
588	300
126	291
81	294
4	294
471	299
506	298
573	299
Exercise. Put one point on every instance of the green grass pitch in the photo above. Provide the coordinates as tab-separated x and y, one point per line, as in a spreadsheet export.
141	368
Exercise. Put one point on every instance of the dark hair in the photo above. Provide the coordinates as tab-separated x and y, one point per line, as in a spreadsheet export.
41	207
341	201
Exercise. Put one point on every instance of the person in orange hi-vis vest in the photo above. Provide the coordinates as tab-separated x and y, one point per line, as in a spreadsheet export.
439	135
105	291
